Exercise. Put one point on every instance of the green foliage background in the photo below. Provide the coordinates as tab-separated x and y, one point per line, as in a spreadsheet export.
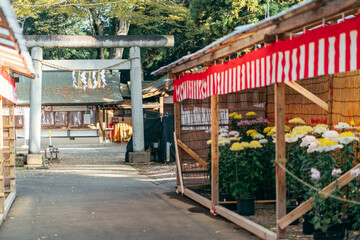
194	23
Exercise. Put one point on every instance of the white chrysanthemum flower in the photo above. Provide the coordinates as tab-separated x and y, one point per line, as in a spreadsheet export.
223	130
336	172
321	130
223	135
234	133
355	172
315	174
263	141
312	147
342	125
331	135
346	140
328	148
307	140
258	136
291	139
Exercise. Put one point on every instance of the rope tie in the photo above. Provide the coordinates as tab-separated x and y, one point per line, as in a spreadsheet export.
319	191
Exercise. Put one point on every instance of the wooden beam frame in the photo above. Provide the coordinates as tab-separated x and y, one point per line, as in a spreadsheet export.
241	221
192	153
307	205
280	155
306	93
178	165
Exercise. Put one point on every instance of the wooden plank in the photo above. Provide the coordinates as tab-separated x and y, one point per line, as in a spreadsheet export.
178	165
245	223
8	203
303	91
279	89
256	201
307	205
198	198
214	150
192	153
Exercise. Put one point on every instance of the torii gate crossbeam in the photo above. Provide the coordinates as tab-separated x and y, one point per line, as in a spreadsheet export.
37	43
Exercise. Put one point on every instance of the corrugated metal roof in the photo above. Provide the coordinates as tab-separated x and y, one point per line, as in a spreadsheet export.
57	89
13	51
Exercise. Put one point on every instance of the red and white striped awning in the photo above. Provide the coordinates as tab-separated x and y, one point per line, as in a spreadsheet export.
322	51
7	89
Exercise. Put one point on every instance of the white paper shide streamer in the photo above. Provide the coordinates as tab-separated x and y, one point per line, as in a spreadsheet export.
83	80
94	78
74	80
95	82
102	75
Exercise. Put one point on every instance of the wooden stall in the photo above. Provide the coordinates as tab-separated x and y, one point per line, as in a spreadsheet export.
14	58
319	95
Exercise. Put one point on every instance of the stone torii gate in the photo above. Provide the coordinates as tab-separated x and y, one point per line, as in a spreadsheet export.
37	43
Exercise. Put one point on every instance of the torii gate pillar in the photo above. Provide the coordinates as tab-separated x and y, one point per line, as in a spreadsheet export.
136	100
34	157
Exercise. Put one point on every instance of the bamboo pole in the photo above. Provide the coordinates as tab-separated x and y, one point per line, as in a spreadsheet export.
280	156
214	152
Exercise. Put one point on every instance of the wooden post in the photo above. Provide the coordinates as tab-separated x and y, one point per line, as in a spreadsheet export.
280	155
11	139
214	152
177	118
2	177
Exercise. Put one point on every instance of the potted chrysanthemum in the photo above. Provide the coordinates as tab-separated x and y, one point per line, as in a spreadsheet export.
245	175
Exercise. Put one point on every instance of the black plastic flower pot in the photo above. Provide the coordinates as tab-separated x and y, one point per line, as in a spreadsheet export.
288	210
343	228
308	227
329	235
246	206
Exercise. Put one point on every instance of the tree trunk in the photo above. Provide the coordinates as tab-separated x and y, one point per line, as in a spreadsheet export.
99	30
121	27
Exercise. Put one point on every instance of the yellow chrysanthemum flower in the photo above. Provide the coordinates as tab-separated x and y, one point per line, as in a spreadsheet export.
233	138
249	132
251	114
255	144
233	114
346	134
358	129
302	130
245	144
236	147
253	134
320	125
267	129
326	142
289	135
208	142
238	116
297	120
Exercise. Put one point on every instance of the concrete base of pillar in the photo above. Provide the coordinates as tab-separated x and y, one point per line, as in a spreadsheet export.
139	157
34	159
